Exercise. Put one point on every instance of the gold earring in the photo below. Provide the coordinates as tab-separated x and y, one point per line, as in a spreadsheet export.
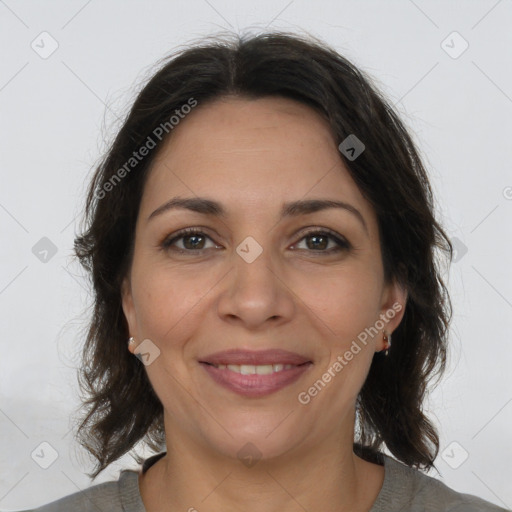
387	341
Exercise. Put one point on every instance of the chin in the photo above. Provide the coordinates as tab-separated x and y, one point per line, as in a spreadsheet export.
253	439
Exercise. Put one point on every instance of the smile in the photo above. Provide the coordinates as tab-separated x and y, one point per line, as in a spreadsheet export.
255	381
250	369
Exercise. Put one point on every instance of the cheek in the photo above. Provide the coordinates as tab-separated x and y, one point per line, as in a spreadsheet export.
168	305
345	306
345	301
167	300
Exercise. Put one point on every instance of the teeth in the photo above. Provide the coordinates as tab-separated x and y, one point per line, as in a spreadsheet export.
264	369
251	369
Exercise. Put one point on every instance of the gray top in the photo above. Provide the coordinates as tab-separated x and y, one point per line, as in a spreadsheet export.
404	489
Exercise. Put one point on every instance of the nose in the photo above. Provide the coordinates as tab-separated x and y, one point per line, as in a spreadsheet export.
256	294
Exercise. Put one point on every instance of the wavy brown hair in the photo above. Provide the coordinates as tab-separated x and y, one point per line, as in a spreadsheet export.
121	407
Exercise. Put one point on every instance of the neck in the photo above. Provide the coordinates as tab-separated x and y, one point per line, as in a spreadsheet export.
327	476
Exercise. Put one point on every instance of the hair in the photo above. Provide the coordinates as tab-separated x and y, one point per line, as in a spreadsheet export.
121	407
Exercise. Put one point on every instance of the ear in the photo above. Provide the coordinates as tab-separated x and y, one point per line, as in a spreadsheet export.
129	310
394	300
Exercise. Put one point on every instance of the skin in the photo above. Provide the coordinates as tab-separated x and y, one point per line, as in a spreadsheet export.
252	156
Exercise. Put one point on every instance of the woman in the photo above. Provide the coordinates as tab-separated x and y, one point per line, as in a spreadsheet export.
261	239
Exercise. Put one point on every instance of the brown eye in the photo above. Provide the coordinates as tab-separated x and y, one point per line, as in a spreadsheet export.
318	241
193	241
190	238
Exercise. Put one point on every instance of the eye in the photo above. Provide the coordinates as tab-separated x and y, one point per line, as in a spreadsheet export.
316	240
193	239
319	241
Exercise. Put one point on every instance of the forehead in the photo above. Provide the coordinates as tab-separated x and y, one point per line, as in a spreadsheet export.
249	153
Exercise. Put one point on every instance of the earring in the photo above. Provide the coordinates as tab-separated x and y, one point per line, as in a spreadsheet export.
387	341
131	341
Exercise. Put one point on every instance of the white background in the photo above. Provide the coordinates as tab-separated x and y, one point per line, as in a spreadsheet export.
58	113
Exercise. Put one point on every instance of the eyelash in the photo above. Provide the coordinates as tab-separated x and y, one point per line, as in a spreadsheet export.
343	245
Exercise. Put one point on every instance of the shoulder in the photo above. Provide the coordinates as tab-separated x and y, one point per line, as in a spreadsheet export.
409	489
115	496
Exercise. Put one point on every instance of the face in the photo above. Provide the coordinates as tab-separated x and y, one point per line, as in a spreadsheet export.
257	278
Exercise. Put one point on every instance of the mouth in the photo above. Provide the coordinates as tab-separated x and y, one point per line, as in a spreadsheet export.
255	373
252	369
240	357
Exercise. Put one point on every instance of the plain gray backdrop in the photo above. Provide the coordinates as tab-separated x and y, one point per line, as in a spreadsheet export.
70	68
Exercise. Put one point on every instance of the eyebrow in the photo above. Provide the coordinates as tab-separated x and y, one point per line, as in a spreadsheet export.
292	209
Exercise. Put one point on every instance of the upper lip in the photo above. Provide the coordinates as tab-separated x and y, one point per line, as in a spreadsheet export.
255	357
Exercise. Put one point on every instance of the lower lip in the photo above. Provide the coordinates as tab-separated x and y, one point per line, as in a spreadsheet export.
255	385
